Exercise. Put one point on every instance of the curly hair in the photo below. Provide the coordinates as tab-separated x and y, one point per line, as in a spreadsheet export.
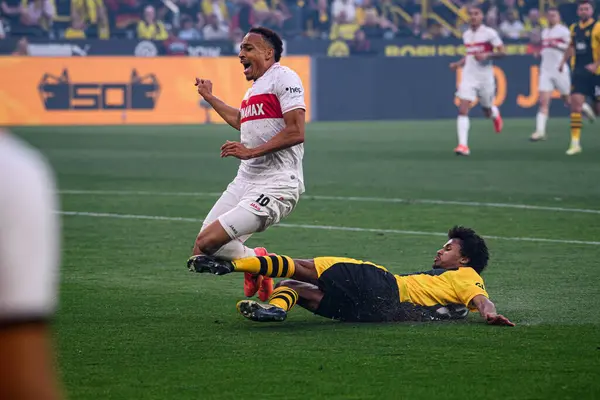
472	246
272	38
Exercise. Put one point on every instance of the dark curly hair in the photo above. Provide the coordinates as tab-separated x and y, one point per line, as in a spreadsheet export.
272	38
472	246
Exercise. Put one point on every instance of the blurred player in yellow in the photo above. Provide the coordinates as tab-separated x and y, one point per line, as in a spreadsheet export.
351	290
29	255
585	64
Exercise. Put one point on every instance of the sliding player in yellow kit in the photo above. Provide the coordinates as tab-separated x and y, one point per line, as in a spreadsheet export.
351	290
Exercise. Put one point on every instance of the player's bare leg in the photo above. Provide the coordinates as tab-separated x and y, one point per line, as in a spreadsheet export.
542	117
462	126
211	239
577	100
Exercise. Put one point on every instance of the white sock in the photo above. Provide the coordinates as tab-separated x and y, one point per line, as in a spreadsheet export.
462	125
234	250
495	112
587	111
540	123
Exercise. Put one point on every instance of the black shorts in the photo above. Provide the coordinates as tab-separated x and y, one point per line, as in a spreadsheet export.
362	292
585	83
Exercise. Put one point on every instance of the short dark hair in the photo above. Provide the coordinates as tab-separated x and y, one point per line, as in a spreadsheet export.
580	2
272	38
472	246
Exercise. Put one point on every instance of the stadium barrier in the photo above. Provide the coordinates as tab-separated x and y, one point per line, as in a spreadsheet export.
383	88
120	90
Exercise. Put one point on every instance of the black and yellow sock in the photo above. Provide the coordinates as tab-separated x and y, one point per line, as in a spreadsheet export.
284	297
576	124
273	266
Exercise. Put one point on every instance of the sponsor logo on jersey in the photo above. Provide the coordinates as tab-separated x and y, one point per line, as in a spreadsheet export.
293	89
255	206
260	106
476	48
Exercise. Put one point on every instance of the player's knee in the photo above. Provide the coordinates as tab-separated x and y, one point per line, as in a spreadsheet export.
207	244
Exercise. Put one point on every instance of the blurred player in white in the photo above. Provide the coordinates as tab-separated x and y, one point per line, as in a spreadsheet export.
29	256
270	178
555	41
482	45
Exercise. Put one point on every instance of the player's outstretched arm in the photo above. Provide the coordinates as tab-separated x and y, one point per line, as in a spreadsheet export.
487	309
291	135
231	115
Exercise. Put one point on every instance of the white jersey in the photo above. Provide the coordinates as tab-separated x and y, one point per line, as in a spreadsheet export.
555	41
482	40
275	93
29	234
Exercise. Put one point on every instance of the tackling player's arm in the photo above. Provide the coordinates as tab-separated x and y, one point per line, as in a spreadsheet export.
231	115
487	309
291	135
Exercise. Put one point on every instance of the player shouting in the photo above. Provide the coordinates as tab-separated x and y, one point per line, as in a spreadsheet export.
482	45
269	181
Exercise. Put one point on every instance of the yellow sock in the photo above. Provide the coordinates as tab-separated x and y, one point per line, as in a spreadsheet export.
284	297
273	266
576	125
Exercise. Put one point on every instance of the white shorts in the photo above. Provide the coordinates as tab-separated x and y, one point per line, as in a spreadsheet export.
270	203
29	233
483	89
550	80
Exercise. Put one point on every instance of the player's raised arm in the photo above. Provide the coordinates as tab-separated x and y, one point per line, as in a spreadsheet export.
487	309
231	115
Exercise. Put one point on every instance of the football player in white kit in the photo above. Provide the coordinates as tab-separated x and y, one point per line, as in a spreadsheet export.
483	44
555	41
270	180
29	257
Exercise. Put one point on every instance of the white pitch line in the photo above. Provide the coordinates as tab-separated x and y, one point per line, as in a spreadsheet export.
322	227
342	198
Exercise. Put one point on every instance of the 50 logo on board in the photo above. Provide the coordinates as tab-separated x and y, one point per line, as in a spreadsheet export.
58	93
524	100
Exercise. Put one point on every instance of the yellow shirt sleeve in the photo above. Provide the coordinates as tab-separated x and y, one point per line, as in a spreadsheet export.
467	285
596	43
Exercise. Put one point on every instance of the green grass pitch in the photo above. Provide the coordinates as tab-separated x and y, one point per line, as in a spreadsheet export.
133	323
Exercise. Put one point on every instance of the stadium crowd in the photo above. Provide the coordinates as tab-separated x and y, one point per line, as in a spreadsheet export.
228	19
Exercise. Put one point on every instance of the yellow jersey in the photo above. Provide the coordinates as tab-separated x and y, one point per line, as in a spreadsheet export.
441	287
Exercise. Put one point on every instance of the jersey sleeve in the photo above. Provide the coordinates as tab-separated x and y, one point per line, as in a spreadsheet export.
289	91
29	240
467	287
596	39
495	39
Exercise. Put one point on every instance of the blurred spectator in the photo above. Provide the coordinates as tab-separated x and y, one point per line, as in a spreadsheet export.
2	33
371	27
534	24
124	13
11	10
22	48
435	31
511	28
77	28
342	29
360	45
343	11
188	30
416	26
38	14
94	15
150	28
491	20
316	17
217	8
188	8
214	29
